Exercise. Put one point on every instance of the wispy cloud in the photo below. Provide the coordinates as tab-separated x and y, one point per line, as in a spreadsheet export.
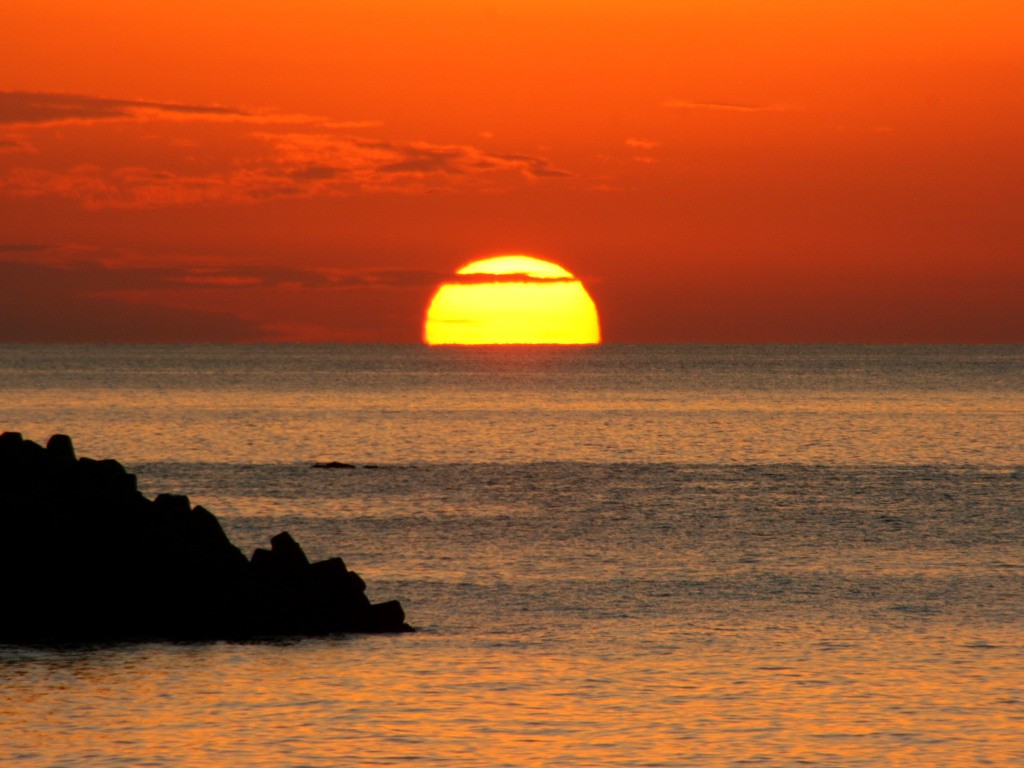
238	157
112	271
16	248
245	277
478	278
378	164
88	302
26	108
419	158
66	293
879	129
641	144
717	106
9	145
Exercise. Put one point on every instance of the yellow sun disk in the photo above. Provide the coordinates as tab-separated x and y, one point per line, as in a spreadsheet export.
541	312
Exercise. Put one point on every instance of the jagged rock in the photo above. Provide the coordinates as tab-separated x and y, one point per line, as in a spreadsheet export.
61	449
263	563
86	557
329	571
288	555
106	477
9	443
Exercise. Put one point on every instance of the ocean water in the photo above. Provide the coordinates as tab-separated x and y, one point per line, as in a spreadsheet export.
617	555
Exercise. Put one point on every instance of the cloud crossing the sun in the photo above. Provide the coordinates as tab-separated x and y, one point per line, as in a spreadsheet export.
70	292
106	272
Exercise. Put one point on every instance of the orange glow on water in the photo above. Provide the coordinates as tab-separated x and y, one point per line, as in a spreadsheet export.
539	302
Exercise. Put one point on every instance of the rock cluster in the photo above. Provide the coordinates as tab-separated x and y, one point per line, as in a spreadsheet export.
85	557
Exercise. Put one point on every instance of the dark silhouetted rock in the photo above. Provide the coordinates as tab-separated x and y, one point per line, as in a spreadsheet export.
10	441
263	563
383	615
330	573
88	558
333	465
61	449
287	554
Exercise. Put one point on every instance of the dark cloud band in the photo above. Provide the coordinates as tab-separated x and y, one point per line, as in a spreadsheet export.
26	107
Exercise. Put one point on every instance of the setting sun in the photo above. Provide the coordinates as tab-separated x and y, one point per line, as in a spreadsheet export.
512	300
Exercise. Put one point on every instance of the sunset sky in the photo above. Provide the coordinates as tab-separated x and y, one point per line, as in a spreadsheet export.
713	171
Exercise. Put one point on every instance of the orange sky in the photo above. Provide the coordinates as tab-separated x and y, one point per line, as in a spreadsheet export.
727	171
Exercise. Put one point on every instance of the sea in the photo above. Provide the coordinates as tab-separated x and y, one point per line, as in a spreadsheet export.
612	555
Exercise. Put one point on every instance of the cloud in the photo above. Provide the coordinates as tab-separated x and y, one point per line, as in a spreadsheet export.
377	163
424	159
385	278
10	145
315	173
224	155
478	278
63	294
349	167
243	277
15	248
101	271
533	166
641	144
135	187
25	107
47	303
722	106
879	129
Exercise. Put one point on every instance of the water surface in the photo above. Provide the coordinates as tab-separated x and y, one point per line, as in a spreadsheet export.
711	556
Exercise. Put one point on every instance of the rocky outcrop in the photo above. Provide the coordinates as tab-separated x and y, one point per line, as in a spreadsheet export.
85	557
